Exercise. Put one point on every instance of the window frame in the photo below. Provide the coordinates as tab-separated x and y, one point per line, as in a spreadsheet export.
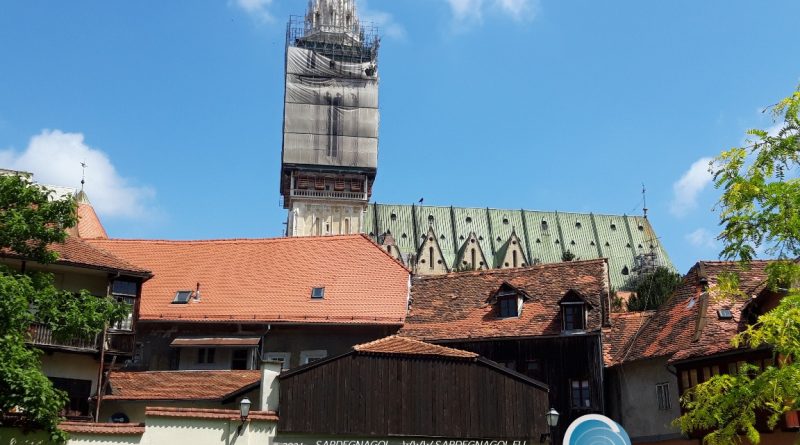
206	356
311	356
510	300
581	309
283	357
584	393
663	396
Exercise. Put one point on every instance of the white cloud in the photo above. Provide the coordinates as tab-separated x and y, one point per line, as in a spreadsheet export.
258	9
382	19
55	157
473	11
686	189
702	238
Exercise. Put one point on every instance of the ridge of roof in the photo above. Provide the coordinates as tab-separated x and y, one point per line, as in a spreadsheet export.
398	345
510	210
505	271
233	240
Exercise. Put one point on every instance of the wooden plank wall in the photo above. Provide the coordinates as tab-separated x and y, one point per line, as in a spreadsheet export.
561	359
395	396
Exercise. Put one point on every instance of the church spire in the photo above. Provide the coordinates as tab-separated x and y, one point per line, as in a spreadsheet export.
332	16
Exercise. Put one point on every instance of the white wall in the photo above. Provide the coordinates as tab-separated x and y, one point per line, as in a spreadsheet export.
71	366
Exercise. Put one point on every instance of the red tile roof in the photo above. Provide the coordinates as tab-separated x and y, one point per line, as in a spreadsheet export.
625	326
89	225
202	413
102	428
77	252
673	330
180	385
455	306
270	280
396	345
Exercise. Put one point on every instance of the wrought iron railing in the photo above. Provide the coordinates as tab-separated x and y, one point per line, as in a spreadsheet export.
328	194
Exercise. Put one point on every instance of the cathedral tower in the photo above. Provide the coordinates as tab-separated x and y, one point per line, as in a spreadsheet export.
330	123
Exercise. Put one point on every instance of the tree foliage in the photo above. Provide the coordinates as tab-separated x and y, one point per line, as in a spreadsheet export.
652	289
759	211
31	220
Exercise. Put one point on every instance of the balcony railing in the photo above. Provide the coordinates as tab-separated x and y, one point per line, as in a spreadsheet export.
329	194
41	335
120	342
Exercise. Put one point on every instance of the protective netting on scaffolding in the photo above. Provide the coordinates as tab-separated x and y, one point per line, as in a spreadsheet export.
331	113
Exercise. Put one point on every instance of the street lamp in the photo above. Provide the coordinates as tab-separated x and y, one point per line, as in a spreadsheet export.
552	420
244	411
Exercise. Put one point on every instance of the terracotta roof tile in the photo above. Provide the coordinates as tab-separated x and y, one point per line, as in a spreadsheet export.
102	428
624	328
180	385
455	306
396	345
77	252
89	225
672	330
201	413
270	280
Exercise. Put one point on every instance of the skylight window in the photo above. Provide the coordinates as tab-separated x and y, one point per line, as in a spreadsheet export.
182	297
725	314
318	293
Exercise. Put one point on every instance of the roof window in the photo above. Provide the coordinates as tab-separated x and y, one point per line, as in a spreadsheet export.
725	314
505	221
393	217
318	293
469	219
182	297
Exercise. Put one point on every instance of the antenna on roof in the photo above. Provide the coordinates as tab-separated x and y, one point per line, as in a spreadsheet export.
644	200
83	173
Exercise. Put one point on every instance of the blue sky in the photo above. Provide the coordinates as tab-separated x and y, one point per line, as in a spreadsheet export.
551	105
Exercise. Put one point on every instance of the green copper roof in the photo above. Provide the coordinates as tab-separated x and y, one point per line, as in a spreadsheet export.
544	236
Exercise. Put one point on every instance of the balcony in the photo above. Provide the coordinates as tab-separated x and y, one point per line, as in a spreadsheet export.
42	336
330	194
118	342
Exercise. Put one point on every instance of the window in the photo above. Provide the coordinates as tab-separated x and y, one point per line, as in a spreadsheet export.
78	394
574	316
662	394
318	293
124	292
205	355
430	256
182	297
533	369
580	395
509	306
283	357
307	357
240	359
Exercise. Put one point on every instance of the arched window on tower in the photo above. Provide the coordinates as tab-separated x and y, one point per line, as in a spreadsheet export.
347	226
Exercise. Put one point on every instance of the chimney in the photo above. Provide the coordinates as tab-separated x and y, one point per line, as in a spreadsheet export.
270	370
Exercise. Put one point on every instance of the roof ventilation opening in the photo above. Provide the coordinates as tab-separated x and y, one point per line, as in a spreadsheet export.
430	219
404	236
613	226
578	224
499	239
608	244
625	271
442	237
725	314
393	217
469	219
505	221
182	297
572	243
544	225
318	293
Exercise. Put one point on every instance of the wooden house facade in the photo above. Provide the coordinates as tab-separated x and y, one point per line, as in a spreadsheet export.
543	321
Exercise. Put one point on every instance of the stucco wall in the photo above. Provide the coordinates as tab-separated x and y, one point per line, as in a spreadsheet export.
71	366
634	385
135	409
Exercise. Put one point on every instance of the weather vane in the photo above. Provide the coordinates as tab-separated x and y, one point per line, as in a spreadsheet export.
83	174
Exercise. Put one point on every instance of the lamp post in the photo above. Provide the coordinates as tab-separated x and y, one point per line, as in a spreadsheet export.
552	420
244	411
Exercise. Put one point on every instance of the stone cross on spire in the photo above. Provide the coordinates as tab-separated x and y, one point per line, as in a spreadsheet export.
335	16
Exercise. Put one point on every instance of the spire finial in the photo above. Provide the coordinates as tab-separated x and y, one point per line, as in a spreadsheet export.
644	200
83	173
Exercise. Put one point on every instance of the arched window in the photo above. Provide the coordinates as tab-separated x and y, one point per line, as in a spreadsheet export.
347	226
430	257
474	259
514	258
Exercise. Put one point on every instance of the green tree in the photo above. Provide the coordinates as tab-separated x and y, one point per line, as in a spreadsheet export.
30	221
652	289
759	210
